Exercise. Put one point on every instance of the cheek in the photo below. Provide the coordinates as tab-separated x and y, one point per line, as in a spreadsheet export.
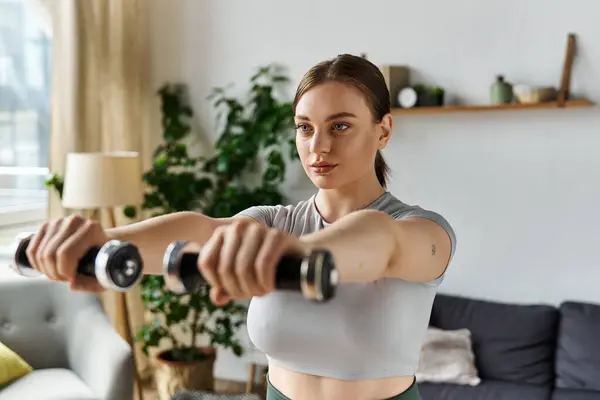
303	147
358	147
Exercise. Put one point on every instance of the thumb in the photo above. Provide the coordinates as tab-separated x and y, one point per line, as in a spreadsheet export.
219	297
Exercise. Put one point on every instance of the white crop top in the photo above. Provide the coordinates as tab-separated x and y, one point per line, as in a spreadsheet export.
367	331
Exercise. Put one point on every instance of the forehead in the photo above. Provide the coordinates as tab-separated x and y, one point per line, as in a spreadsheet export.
330	98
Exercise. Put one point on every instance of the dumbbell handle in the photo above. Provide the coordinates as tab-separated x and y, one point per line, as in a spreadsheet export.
85	266
116	265
314	275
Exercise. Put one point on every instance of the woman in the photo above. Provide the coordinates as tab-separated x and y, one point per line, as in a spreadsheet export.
391	257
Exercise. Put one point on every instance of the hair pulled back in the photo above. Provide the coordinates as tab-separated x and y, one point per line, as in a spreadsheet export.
365	76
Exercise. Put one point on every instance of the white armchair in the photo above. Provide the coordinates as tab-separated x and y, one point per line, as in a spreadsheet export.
68	340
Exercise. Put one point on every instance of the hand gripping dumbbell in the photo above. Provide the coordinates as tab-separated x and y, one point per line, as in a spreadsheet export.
314	275
116	265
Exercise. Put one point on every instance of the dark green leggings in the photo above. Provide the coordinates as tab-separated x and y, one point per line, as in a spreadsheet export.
412	393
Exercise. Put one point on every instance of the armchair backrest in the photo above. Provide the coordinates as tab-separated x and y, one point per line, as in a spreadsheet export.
36	317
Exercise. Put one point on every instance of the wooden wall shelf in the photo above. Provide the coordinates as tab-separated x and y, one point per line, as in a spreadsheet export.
503	107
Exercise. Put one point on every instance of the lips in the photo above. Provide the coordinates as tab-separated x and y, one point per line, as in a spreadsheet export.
322	168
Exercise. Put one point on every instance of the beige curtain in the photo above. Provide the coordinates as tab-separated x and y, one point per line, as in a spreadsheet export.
100	101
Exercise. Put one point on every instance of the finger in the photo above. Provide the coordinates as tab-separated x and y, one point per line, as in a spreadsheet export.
208	260
227	271
46	259
86	284
68	228
246	260
268	257
89	234
219	297
33	246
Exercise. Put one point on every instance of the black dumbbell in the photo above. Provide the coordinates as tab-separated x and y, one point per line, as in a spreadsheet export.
314	275
116	265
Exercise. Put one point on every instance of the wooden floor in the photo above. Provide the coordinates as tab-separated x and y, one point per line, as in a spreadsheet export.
221	386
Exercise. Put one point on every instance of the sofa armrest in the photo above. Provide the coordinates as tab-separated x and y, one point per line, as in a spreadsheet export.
98	354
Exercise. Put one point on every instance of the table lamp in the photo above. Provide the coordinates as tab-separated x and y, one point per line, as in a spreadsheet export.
95	181
104	181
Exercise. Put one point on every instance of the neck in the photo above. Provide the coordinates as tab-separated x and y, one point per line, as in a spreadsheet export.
333	204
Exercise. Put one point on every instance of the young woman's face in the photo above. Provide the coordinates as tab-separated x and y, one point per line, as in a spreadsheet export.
336	136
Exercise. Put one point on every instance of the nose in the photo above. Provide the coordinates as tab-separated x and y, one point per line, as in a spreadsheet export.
320	143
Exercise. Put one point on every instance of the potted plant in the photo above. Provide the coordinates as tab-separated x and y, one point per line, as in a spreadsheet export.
256	137
429	96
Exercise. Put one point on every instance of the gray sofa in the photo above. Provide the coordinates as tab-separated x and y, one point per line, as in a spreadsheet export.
523	351
68	340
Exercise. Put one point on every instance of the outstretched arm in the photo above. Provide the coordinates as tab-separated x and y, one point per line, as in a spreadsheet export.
239	260
367	245
153	236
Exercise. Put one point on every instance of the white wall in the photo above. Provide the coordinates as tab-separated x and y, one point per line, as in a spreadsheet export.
522	189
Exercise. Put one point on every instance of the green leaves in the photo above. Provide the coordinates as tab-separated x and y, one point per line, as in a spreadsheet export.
151	335
276	168
255	132
177	313
57	182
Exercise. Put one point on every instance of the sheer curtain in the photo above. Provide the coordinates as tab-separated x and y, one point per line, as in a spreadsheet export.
99	100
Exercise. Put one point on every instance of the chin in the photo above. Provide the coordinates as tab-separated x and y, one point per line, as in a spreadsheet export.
324	182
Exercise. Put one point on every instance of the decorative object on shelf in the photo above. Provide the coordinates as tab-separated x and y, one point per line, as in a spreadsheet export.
501	91
565	81
408	97
526	94
247	168
503	95
396	78
429	96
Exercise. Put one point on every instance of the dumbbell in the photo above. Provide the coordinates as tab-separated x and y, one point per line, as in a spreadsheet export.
116	265
314	275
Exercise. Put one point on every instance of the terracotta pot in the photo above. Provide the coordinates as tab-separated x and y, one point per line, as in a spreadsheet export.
173	376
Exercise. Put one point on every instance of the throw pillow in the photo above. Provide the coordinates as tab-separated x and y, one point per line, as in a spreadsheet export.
12	366
447	357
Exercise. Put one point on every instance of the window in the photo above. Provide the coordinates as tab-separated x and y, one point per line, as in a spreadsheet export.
25	51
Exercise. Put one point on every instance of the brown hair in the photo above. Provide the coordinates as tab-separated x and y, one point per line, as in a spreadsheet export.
362	74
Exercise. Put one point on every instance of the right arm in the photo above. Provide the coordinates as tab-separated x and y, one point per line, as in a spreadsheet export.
59	244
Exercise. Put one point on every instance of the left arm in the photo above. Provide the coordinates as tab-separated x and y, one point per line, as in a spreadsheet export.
367	245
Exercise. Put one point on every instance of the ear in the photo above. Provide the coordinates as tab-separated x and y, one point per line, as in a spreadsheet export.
385	130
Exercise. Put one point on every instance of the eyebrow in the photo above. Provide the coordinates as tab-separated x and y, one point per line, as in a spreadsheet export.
332	116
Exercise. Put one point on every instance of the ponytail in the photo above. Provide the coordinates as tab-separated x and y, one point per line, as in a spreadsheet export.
382	170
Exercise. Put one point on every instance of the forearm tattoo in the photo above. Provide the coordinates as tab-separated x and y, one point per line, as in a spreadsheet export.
433	249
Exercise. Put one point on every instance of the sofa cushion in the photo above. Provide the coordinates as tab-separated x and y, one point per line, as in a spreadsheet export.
48	384
578	349
12	366
447	357
486	390
574	394
511	342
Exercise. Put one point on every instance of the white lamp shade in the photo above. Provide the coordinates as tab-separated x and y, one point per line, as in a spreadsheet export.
102	180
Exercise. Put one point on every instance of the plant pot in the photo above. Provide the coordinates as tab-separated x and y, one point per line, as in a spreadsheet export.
172	376
430	99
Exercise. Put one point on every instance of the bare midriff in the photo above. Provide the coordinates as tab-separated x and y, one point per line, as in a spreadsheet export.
298	386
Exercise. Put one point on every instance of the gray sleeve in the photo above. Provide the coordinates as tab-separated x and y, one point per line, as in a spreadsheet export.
263	214
416	211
